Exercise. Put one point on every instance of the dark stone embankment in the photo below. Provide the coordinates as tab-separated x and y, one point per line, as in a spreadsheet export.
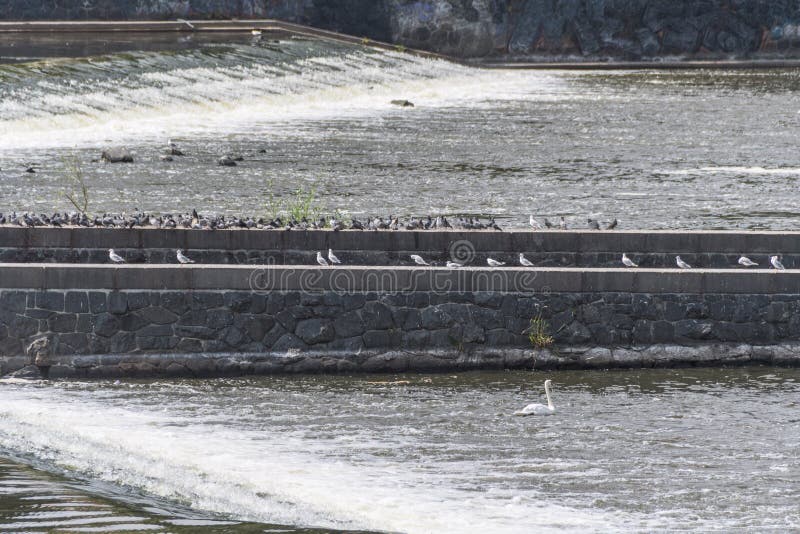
575	30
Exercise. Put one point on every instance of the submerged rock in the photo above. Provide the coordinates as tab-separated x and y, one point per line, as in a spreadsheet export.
403	103
117	155
30	372
39	352
167	157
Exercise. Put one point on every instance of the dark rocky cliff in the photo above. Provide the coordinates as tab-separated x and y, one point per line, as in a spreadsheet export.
625	29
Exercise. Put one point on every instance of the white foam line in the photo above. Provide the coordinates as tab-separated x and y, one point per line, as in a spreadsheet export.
258	475
214	100
734	170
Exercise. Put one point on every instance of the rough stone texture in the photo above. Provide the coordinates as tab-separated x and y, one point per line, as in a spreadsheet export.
376	361
620	328
627	29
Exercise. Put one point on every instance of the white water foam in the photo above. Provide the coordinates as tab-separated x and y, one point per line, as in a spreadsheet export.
256	475
206	100
754	170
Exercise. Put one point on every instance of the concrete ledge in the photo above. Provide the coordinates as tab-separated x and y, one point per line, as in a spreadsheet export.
397	279
572	241
331	362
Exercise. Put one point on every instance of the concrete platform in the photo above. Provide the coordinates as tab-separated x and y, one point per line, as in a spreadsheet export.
398	279
573	241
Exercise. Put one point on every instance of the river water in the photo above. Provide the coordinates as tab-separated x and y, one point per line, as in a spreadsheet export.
710	450
693	449
656	149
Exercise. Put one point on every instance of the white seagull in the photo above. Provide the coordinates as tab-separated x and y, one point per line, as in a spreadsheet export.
682	264
182	258
534	223
776	262
332	257
321	260
453	265
524	261
418	260
746	262
494	263
627	262
113	256
540	409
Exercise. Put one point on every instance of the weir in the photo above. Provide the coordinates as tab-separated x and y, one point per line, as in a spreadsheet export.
15	31
254	312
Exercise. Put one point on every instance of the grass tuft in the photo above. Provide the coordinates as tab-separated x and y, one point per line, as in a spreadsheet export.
538	333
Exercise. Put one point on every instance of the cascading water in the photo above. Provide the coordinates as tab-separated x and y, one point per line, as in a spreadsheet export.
634	451
665	149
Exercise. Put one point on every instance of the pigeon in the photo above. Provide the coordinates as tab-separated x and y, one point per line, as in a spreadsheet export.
593	225
776	262
746	262
182	258
494	263
682	264
453	265
613	224
113	256
418	260
524	261
627	262
534	223
321	260
332	257
547	223
562	224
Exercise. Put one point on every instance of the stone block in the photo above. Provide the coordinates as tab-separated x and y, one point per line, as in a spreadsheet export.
123	342
314	331
13	301
376	316
382	339
238	301
50	300
217	319
174	301
62	322
288	342
158	315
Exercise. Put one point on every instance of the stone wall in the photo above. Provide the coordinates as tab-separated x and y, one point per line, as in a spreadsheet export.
382	331
543	29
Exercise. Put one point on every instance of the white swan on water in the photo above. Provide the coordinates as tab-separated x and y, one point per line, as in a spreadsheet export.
540	409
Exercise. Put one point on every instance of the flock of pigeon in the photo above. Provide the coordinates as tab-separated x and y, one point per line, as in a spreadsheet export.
196	221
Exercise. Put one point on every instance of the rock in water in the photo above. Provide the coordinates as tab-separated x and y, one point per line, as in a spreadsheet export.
39	352
30	372
117	155
226	161
403	103
166	157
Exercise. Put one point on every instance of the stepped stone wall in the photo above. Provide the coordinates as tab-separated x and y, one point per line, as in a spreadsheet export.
536	29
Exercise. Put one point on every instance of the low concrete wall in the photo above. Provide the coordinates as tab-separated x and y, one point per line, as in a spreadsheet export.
276	247
378	319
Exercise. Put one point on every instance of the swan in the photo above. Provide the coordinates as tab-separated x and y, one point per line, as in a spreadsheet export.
540	409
